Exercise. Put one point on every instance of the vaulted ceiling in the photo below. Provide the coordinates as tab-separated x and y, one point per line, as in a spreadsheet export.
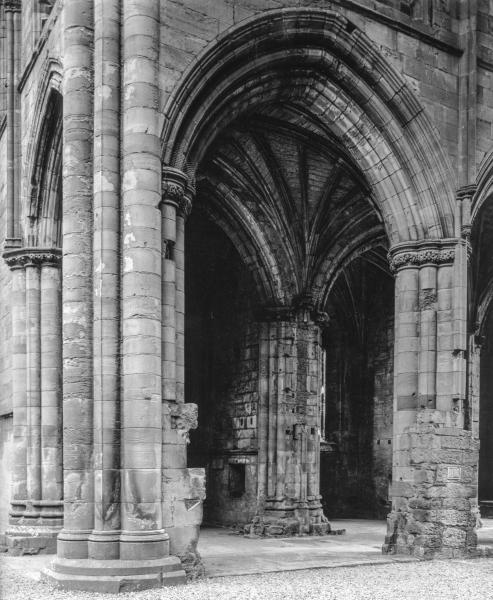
291	198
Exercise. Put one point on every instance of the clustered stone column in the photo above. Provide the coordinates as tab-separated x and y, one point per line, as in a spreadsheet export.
113	539
183	489
125	470
36	514
289	423
434	458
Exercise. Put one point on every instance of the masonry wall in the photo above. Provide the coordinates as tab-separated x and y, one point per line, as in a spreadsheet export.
423	48
222	340
484	82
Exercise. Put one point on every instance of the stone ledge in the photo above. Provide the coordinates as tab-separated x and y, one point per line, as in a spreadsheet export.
114	576
19	543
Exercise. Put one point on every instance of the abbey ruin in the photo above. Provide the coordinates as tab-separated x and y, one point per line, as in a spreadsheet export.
246	277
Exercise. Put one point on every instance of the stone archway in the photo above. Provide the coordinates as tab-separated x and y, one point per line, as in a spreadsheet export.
315	72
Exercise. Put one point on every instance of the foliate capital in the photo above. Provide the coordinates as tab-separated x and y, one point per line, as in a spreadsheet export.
423	252
12	5
20	257
177	190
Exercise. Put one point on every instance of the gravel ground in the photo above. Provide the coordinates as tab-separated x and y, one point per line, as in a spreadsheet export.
461	579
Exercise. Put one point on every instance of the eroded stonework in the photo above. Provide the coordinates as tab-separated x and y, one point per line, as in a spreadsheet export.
246	277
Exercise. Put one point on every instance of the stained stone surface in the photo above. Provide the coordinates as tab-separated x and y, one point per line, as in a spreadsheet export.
246	277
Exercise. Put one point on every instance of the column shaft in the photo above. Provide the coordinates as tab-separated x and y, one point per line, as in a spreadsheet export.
168	215
9	18
78	127
51	383
13	37
105	538
33	343
142	527
180	306
406	354
445	338
427	366
19	404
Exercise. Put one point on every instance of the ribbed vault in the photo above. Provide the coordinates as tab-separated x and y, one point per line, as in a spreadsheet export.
297	196
323	74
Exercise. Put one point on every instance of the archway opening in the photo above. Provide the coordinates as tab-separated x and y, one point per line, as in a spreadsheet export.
356	446
221	355
308	148
283	230
480	414
485	479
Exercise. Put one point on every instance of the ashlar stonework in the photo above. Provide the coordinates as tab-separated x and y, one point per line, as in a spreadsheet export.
246	277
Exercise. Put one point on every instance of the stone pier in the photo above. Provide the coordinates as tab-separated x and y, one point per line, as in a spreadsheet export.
289	423
36	514
434	482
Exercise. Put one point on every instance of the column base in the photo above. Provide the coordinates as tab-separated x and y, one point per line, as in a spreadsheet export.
283	518
22	539
114	576
435	508
446	536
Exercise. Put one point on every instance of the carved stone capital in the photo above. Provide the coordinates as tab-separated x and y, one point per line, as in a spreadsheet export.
20	257
174	184
177	190
186	206
12	5
424	252
466	191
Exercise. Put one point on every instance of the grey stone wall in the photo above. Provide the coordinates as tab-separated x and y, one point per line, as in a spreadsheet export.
425	53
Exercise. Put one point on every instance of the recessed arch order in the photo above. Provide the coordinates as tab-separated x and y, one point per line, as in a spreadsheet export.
333	81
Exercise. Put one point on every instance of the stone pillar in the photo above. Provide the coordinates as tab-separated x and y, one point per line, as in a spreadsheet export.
143	535
180	292
125	545
13	51
104	541
289	424
33	392
51	389
183	489
19	406
77	218
36	515
434	458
